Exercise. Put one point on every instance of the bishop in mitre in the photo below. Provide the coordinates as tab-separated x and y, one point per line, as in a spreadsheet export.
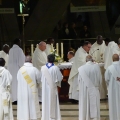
89	79
51	78
112	77
6	112
39	59
79	60
28	78
4	54
49	46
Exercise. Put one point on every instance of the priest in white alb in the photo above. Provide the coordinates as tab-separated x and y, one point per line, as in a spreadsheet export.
16	60
29	79
4	54
112	48
49	46
39	59
6	112
70	56
89	80
51	78
97	52
79	60
98	48
112	77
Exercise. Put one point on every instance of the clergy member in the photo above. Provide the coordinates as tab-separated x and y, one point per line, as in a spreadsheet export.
39	59
111	49
15	62
51	78
49	46
79	60
4	54
70	56
97	49
89	79
6	112
112	77
28	102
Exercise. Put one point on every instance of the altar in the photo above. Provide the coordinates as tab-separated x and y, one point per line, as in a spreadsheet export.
64	90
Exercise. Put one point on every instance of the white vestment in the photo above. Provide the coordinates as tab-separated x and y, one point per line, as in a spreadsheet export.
89	79
111	74
28	107
72	59
56	77
49	49
111	49
6	112
97	54
5	56
16	60
79	60
39	59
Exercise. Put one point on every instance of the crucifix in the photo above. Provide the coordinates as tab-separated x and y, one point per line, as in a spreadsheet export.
23	5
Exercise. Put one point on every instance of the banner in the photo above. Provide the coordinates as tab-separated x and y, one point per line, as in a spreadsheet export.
87	5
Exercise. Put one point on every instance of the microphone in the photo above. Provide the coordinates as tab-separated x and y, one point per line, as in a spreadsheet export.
93	52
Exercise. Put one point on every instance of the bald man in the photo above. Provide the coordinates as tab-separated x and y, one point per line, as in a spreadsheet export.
112	77
28	101
39	59
89	80
4	54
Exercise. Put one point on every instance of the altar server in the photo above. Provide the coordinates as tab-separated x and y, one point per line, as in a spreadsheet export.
112	77
98	49
51	78
4	54
89	79
16	60
6	112
79	60
39	59
49	46
28	103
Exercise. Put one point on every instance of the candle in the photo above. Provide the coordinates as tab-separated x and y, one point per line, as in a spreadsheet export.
61	50
32	49
51	47
57	49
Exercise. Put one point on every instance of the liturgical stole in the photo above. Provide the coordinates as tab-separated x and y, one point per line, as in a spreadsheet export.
53	88
31	84
93	93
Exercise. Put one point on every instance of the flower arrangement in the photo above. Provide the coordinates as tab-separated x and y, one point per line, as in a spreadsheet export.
57	57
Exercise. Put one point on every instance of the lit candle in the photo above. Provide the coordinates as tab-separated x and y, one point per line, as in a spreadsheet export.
32	49
57	49
61	50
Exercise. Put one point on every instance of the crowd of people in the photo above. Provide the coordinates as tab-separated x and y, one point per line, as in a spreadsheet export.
29	80
72	30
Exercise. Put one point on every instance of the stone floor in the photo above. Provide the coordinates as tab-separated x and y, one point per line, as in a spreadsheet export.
70	111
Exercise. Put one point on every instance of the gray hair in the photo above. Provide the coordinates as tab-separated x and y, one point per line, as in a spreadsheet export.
89	58
28	58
